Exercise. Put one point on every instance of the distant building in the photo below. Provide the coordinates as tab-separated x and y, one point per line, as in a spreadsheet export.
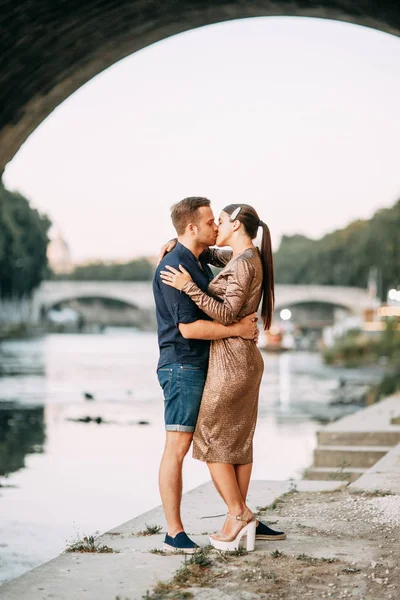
58	254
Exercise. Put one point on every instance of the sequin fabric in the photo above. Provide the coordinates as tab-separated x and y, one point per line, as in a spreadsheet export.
228	412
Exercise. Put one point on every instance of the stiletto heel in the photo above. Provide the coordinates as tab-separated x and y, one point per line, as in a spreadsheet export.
231	544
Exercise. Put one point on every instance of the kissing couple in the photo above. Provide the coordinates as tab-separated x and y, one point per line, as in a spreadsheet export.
210	367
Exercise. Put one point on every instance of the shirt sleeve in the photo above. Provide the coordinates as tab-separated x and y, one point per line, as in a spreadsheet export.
179	305
225	311
217	257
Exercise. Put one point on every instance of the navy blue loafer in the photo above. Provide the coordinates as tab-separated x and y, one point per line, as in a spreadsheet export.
263	532
180	543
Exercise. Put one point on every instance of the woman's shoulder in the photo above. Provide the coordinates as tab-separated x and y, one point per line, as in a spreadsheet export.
248	256
245	261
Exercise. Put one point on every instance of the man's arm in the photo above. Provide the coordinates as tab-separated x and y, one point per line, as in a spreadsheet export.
211	330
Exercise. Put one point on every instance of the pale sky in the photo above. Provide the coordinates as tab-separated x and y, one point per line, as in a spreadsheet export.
298	117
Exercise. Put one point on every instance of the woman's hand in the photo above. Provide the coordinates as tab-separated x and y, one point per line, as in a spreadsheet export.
174	278
166	248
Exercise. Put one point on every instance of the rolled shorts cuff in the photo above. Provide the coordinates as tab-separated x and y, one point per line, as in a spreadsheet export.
182	428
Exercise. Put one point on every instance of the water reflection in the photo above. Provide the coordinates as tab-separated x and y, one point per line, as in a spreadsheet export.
13	362
22	432
284	380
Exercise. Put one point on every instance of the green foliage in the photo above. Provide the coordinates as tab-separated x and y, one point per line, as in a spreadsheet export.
389	385
359	349
23	245
140	269
90	544
345	256
150	530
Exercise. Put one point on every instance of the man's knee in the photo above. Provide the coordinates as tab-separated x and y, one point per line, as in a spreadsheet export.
178	443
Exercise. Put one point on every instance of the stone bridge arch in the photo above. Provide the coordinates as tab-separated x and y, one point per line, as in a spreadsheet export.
138	295
355	300
50	50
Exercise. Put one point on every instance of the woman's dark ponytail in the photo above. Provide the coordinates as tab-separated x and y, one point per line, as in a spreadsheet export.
268	300
251	222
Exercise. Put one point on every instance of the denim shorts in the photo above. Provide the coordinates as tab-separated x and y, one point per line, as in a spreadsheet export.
183	388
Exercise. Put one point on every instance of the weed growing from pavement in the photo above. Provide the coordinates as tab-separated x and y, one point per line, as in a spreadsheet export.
277	554
328	560
163	590
351	570
275	504
314	560
194	569
89	544
150	530
158	551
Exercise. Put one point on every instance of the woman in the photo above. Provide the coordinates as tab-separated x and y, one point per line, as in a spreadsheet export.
224	432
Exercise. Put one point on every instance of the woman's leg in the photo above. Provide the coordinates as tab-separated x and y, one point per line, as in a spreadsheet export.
224	478
243	474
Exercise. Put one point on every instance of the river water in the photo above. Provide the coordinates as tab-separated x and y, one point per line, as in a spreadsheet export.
68	478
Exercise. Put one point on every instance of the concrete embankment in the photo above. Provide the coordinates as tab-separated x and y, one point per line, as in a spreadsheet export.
349	447
343	541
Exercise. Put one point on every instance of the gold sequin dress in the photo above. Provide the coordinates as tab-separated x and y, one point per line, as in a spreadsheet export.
228	411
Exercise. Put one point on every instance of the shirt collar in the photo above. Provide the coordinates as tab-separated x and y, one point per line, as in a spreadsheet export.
186	252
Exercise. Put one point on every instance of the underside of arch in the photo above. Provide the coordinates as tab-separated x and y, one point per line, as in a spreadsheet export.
51	49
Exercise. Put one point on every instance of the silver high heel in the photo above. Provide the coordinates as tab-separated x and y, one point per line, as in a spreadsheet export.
229	544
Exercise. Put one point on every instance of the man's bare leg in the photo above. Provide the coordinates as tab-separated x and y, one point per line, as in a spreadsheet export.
177	444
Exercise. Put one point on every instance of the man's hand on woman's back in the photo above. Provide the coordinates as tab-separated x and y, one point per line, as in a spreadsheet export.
247	327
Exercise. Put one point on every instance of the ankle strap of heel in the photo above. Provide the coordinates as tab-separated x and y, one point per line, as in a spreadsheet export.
241	517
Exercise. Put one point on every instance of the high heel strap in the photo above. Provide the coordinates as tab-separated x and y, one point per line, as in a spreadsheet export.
242	517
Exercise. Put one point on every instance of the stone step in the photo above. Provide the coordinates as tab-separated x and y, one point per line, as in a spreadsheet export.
348	456
358	438
329	474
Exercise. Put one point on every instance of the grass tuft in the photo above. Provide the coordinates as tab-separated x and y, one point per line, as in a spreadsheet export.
277	554
158	551
150	530
89	544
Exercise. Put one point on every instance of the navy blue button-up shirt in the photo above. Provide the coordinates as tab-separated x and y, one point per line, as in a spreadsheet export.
174	307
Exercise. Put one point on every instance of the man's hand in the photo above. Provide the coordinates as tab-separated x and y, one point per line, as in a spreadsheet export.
247	328
166	248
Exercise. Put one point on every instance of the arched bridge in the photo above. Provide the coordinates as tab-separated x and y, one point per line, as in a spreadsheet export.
51	49
140	295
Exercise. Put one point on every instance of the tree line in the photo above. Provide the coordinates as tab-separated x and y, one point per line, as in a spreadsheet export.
140	269
23	245
346	256
343	257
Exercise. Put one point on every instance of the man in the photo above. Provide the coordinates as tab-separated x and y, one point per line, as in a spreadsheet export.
184	332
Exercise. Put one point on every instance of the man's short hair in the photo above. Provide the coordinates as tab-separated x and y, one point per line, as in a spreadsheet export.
185	212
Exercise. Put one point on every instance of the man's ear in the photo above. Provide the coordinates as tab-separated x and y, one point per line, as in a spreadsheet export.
191	228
